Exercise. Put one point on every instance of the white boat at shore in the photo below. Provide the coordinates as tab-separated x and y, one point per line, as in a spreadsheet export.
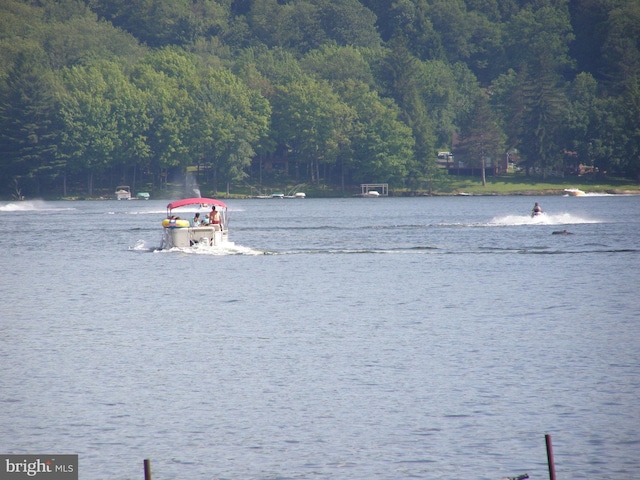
293	193
574	192
123	192
371	194
181	233
282	195
373	190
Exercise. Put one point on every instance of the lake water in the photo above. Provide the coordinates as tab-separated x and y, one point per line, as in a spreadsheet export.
365	339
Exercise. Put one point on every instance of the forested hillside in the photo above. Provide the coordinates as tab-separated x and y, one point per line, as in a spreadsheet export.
97	93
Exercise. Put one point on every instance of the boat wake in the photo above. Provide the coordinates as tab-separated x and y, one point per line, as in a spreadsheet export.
136	212
141	246
544	219
229	248
31	206
453	250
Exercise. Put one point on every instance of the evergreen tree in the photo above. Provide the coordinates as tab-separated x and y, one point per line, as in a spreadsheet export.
481	138
29	125
402	75
544	105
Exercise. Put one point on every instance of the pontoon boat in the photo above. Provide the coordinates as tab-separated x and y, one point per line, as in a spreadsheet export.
181	233
123	192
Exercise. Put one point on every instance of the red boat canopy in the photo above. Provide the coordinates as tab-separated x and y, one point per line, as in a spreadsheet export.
196	201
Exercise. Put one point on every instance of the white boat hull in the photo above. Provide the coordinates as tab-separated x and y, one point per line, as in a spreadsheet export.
123	192
183	237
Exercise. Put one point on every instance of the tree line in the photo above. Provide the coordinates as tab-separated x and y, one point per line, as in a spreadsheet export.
95	93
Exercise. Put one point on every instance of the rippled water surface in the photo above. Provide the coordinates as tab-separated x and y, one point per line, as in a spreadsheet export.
388	338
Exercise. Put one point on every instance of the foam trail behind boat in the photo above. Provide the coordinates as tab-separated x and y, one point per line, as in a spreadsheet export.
544	219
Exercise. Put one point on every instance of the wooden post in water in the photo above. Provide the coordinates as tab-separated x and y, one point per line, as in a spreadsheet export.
552	466
147	469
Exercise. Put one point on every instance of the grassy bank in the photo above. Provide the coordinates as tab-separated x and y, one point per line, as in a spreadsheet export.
514	184
522	185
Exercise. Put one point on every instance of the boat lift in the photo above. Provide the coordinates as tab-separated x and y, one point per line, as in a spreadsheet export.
368	189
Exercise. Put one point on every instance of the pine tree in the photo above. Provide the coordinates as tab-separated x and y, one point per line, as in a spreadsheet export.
481	138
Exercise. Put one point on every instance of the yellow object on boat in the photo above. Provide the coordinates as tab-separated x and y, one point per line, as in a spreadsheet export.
173	223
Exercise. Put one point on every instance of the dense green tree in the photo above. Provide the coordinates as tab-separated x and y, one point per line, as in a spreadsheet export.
229	120
621	49
382	10
18	22
61	10
493	10
539	37
448	91
452	22
88	86
311	121
631	127
381	146
132	152
91	130
338	64
431	94
167	78
411	20
481	138
626	142
303	25
486	54
29	125
83	39
294	26
589	19
446	30
580	121
348	22
160	23
544	105
402	74
272	66
508	100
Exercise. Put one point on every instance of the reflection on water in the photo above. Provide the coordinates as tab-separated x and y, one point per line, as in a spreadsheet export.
431	338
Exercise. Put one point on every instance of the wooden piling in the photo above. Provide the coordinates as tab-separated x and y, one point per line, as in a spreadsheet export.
147	469
552	467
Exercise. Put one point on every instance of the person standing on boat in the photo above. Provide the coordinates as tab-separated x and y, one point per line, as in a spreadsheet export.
537	210
214	217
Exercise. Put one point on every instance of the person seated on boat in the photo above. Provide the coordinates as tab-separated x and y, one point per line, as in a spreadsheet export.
172	220
214	217
196	220
537	210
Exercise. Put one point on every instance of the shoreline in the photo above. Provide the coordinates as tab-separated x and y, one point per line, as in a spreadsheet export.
462	189
532	193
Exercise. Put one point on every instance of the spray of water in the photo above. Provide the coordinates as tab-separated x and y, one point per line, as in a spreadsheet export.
544	219
228	249
30	206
